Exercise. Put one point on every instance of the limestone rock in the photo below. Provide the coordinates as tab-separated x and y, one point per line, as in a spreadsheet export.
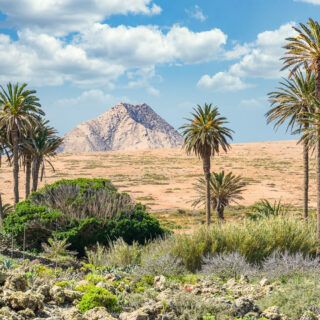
24	300
136	315
72	314
57	294
17	282
123	127
98	313
160	283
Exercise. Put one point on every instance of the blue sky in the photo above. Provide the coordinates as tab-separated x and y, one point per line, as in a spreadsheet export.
84	56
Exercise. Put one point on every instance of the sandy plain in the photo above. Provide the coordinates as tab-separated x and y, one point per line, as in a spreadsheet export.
163	178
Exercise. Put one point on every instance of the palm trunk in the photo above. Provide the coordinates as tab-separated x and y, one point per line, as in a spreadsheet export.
306	177
1	211
35	173
220	211
206	170
317	94
15	164
28	176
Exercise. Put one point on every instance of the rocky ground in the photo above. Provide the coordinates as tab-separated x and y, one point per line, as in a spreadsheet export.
33	291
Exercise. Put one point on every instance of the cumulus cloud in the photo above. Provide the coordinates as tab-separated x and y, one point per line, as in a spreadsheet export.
223	82
260	59
65	16
196	13
147	45
101	54
317	2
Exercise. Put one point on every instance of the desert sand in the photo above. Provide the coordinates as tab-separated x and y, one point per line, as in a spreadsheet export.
163	178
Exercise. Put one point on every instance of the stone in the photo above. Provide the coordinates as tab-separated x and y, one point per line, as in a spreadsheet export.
309	315
160	283
136	315
17	282
70	295
271	313
57	295
244	306
98	313
264	282
45	291
24	300
27	313
72	314
244	278
3	277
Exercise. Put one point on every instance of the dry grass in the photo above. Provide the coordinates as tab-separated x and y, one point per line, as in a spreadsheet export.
163	178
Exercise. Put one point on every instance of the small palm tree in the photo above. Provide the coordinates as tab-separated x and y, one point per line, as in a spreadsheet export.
304	49
39	149
19	108
204	135
224	189
291	105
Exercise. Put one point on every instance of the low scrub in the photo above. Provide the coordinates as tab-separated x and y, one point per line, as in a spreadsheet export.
83	211
255	240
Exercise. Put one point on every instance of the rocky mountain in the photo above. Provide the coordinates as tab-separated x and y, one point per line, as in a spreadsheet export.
123	127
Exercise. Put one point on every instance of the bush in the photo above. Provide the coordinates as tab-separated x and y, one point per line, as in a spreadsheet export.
98	297
83	211
255	240
158	258
227	265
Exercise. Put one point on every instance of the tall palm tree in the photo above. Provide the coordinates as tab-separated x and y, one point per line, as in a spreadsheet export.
19	108
204	135
291	104
224	189
304	49
42	147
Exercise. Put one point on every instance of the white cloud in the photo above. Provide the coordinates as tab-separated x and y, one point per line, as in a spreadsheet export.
254	102
147	45
46	60
317	2
260	59
101	54
65	16
223	82
196	13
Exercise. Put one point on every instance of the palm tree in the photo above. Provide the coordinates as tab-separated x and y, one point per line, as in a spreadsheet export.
224	189
205	134
42	147
304	49
291	104
19	108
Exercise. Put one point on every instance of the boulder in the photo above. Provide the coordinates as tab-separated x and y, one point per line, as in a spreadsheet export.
271	313
244	305
17	282
24	300
70	295
160	283
136	315
72	314
57	295
98	313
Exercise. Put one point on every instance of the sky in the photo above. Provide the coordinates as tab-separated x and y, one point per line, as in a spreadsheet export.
84	56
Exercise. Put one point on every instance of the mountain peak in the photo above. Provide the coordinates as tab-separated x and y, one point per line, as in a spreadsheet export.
123	127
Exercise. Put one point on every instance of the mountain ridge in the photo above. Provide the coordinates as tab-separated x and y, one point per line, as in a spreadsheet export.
123	127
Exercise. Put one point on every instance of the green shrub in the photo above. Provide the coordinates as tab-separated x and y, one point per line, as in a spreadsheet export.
295	296
98	297
254	239
83	211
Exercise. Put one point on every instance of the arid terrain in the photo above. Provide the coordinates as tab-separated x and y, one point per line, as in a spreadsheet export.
163	178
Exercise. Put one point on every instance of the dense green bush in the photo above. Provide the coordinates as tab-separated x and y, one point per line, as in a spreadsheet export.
98	297
83	211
